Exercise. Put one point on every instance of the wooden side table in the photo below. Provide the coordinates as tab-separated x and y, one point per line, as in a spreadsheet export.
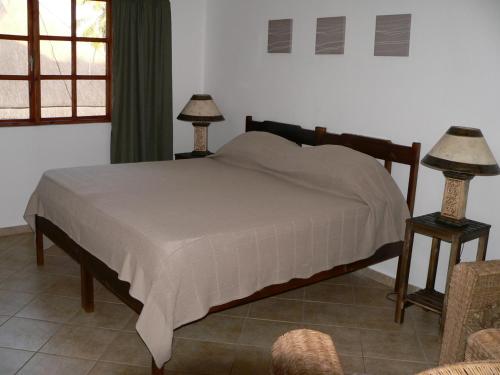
427	225
188	155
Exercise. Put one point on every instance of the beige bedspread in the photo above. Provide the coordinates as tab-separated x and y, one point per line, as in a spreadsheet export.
193	234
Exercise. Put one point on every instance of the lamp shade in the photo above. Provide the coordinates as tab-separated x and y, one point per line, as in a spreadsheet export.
463	150
201	108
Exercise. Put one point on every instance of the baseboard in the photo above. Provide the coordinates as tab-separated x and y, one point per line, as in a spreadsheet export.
12	231
383	278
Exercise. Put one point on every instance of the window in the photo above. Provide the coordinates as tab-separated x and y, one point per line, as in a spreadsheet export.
55	61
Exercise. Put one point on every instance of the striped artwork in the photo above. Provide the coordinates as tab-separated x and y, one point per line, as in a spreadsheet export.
280	36
392	35
330	36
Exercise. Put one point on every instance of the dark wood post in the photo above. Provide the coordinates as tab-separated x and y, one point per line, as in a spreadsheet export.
155	370
87	289
38	243
248	123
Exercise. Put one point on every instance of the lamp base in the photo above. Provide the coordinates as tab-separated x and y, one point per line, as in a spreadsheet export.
451	222
201	153
455	199
200	139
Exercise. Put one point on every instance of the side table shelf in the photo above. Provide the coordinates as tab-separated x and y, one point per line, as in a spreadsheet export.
428	299
427	225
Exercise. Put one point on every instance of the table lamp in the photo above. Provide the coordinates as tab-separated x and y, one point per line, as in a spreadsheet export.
461	154
201	110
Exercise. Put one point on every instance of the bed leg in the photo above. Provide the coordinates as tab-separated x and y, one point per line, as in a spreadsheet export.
155	370
39	247
87	285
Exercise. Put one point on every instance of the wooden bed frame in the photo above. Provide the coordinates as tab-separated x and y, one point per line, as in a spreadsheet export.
385	150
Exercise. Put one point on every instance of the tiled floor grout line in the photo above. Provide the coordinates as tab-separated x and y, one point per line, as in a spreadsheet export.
27	361
396	359
38	351
420	345
362	350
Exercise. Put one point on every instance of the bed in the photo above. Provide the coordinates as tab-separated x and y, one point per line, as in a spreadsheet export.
260	217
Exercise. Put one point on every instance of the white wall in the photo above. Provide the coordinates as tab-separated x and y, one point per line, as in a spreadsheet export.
26	152
451	77
188	53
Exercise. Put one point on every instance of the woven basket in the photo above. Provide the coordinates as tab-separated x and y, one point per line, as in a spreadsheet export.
305	352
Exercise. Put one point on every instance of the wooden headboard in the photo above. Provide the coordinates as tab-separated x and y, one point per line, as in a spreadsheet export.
381	149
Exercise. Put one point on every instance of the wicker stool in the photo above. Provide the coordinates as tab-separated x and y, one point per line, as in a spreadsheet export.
305	352
483	345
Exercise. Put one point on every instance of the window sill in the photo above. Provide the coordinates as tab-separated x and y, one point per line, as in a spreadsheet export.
78	121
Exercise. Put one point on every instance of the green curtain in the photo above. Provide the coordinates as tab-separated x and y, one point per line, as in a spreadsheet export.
142	81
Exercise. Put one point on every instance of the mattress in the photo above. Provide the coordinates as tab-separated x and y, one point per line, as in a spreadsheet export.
192	234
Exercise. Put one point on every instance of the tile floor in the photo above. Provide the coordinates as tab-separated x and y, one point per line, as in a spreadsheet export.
44	331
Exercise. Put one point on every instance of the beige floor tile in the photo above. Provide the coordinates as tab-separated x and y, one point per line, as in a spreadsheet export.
16	261
354	279
3	319
372	297
58	265
25	248
105	368
55	251
329	293
278	309
105	315
12	302
330	313
431	345
51	308
130	326
240	311
379	318
347	340
202	357
43	364
352	364
213	328
18	241
264	333
28	282
79	342
64	285
297	294
251	361
5	272
12	360
103	294
26	334
129	349
391	345
377	366
425	322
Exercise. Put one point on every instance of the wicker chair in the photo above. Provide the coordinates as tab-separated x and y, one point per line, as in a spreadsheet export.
473	300
471	368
